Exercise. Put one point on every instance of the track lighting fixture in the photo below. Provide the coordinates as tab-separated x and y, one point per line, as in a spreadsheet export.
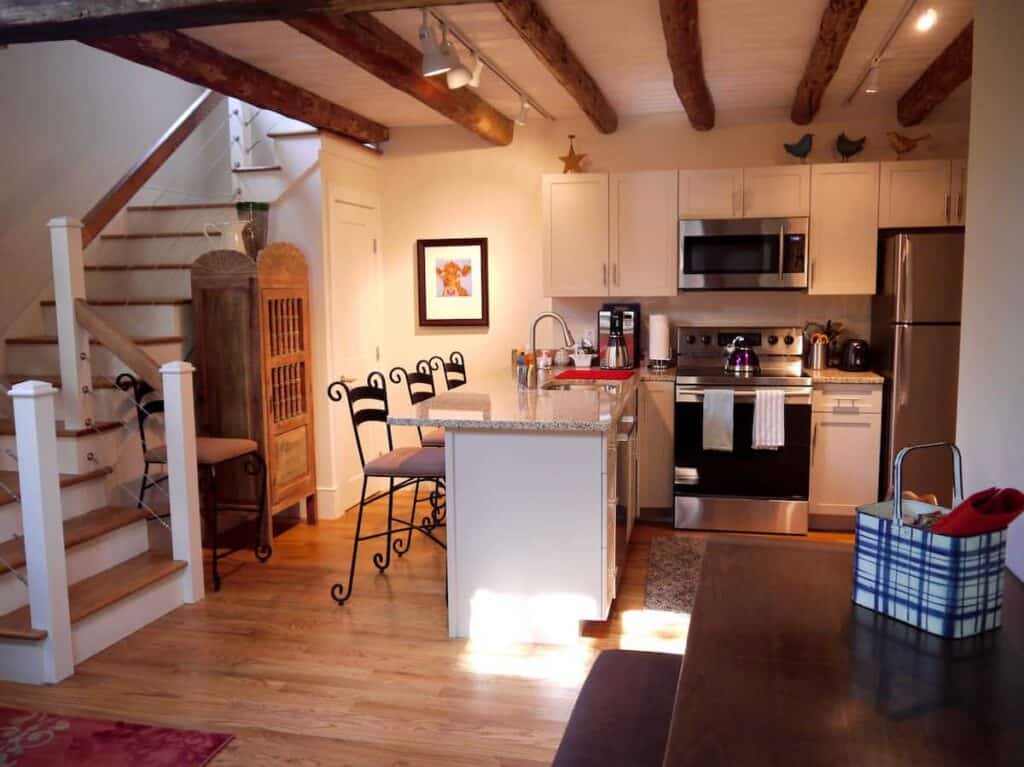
524	107
926	20
871	85
478	68
434	60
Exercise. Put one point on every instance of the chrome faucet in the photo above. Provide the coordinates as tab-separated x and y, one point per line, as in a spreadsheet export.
534	375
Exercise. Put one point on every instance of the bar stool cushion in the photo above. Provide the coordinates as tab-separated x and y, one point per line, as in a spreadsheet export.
434	438
209	450
414	462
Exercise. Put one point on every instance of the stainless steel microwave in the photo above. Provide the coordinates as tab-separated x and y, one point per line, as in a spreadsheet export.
743	254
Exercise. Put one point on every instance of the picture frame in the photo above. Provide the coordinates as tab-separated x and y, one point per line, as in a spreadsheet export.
451	282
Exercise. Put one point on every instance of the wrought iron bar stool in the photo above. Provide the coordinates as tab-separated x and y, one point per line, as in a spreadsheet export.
420	384
211	452
402	467
454	369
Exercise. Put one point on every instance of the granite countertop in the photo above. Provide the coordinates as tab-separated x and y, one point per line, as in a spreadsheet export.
495	402
837	376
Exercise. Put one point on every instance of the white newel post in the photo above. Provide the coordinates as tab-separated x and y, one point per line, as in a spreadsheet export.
183	474
43	524
73	341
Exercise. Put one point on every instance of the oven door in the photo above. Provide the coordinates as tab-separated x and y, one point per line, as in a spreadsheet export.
743	254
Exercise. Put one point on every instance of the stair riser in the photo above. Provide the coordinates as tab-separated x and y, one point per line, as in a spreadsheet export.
73	452
138	284
171	220
83	562
99	631
155	320
23	662
108	405
157	250
41	359
74	500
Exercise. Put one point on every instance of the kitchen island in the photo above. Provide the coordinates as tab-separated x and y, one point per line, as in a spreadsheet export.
538	492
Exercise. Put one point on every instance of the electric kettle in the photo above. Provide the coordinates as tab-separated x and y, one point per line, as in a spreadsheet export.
743	360
616	353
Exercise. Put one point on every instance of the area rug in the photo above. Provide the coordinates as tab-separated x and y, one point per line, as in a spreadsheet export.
35	739
673	573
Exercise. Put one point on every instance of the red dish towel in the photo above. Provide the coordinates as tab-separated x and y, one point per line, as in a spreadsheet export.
984	512
594	374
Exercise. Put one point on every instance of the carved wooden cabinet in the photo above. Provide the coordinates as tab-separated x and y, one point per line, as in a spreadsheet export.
254	369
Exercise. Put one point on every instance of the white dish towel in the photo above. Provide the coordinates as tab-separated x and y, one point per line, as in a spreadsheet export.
718	410
769	419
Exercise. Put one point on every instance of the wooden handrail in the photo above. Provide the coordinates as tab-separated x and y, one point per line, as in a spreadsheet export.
132	181
119	344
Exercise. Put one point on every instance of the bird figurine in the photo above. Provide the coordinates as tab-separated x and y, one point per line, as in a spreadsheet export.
848	147
801	148
902	144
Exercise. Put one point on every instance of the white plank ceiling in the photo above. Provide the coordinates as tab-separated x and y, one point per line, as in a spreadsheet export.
754	56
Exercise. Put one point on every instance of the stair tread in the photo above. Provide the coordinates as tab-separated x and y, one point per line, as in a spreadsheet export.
256	169
156	235
89	596
133	267
183	206
54	380
130	302
11	480
7	428
143	341
78	530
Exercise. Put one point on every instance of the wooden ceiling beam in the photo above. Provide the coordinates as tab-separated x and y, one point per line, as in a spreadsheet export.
194	61
682	43
383	53
32	21
537	31
837	24
950	69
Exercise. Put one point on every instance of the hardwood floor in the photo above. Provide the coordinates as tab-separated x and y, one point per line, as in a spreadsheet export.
300	681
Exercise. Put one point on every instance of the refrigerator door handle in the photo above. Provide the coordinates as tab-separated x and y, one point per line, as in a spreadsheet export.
901	362
903	277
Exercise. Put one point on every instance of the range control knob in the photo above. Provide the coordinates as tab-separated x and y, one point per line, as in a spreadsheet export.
788	340
772	340
705	340
691	339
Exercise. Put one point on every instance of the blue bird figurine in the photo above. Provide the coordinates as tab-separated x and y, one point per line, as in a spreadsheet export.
848	147
801	148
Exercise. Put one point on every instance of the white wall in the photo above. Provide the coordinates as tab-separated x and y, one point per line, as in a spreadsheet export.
75	119
443	182
990	419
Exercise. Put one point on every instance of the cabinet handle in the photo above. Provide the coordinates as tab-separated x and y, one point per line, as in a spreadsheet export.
604	274
810	274
814	441
960	208
948	201
615	274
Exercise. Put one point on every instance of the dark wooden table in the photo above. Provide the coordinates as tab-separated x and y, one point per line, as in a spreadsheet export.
782	669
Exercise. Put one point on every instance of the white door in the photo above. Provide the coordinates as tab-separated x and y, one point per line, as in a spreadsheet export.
644	234
844	463
354	314
915	193
958	212
782	191
711	193
576	234
843	229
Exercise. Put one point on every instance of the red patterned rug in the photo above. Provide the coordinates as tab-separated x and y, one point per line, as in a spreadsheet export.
34	739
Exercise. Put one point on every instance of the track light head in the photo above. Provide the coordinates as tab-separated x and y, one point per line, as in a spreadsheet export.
434	60
478	68
871	82
524	108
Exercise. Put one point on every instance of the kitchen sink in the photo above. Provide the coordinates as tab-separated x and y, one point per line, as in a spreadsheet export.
610	388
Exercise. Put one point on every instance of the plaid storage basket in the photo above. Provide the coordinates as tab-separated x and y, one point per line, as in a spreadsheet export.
951	587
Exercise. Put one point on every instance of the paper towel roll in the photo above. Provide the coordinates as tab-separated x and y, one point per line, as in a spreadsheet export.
659	347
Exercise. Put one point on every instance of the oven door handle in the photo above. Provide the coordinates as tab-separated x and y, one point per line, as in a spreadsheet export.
793	396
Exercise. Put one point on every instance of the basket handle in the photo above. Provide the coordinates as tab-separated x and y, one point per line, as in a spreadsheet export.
958	477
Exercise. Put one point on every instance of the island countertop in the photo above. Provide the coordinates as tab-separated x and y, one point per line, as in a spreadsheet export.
495	402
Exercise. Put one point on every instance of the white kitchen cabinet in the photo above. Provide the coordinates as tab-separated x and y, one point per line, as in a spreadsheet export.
656	444
711	193
845	449
575	234
843	247
644	234
781	191
920	193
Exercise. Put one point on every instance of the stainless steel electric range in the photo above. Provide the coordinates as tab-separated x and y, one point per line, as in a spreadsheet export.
743	490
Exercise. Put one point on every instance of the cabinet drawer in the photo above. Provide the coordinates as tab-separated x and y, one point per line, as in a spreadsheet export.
847	398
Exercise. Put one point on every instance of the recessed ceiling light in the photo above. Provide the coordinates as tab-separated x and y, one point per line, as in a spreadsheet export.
926	20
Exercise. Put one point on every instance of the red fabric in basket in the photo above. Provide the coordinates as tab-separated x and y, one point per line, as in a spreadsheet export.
594	374
987	511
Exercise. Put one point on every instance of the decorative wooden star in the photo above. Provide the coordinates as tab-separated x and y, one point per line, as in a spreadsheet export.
572	162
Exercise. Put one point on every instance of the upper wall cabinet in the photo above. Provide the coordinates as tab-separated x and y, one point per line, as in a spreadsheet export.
843	229
575	234
711	193
644	234
783	191
922	193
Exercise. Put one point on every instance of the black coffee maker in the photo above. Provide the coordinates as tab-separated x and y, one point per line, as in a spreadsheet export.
855	355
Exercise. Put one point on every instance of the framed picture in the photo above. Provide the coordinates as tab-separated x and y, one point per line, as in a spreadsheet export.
451	277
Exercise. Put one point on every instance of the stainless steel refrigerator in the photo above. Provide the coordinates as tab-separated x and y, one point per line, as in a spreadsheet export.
916	347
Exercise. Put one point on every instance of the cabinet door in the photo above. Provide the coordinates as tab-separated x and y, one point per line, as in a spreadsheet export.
656	446
843	229
915	194
958	210
844	464
711	193
782	191
644	234
575	234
